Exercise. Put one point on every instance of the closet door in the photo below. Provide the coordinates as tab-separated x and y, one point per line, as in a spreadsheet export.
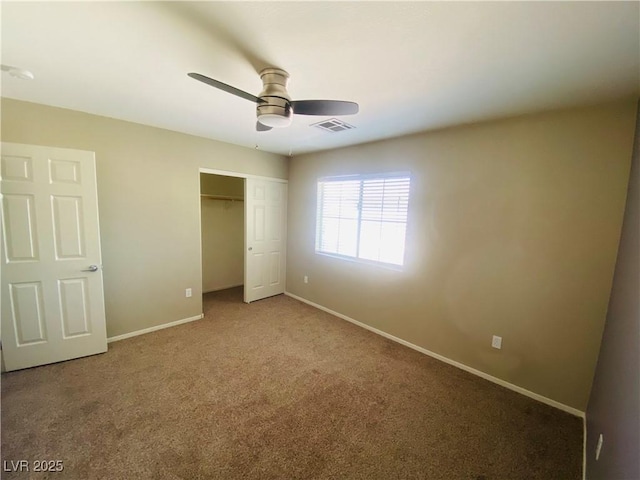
265	238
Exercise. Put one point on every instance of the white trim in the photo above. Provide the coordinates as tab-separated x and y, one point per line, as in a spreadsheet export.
153	329
486	376
229	173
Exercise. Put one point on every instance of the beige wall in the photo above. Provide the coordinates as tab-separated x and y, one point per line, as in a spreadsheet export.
221	185
149	200
222	224
614	405
513	230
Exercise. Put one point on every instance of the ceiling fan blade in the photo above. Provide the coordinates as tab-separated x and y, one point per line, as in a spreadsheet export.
324	107
226	88
262	128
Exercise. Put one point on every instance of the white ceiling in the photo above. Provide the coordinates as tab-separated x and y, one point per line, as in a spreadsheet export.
411	66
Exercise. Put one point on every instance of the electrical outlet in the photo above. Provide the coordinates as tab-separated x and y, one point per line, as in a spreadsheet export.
599	446
496	342
306	279
187	292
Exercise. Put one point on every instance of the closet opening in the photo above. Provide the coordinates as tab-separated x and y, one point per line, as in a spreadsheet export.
222	230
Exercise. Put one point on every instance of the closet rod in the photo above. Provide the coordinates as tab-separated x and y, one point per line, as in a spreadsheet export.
223	197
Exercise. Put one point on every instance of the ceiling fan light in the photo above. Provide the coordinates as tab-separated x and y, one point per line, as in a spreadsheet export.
274	120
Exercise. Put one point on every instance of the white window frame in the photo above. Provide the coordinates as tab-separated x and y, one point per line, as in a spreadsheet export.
361	178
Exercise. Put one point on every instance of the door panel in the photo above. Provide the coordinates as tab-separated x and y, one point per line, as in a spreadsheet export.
17	168
257	260
275	223
20	237
64	171
68	226
258	223
265	252
274	268
52	301
74	306
27	312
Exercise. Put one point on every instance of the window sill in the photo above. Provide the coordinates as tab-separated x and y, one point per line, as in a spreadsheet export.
386	266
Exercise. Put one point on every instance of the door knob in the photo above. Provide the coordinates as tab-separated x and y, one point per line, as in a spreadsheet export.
250	248
92	268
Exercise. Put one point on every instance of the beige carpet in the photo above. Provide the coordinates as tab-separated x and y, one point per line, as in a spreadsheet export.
277	390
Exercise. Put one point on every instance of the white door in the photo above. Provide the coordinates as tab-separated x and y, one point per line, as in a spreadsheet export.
265	238
52	295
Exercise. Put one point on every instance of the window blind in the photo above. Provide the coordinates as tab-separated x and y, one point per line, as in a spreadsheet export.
363	217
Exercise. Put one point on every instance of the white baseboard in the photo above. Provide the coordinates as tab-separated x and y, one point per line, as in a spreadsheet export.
154	329
486	376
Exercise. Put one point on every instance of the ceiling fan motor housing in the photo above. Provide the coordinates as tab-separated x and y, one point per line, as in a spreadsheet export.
275	110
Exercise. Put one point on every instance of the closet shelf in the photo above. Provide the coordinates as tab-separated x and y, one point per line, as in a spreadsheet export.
222	197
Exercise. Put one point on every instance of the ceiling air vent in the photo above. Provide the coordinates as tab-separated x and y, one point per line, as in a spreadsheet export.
333	125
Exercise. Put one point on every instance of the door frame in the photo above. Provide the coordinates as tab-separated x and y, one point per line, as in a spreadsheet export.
230	173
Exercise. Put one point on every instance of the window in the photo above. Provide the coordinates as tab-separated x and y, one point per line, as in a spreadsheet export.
363	216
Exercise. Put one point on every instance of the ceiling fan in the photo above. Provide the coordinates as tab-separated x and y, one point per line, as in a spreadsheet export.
274	106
